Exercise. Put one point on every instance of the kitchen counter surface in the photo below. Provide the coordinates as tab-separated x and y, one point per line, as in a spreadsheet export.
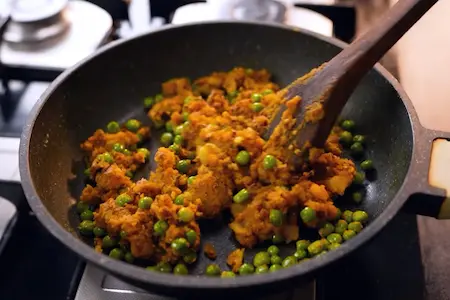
423	63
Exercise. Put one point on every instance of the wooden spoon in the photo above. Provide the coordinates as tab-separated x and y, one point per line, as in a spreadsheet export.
330	86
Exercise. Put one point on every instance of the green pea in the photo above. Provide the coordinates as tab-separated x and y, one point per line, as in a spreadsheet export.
269	162
191	180
334	238
257	107
355	226
333	246
274	268
145	202
158	125
118	147
308	214
345	137
262	269
133	125
87	215
82	206
276	260
256	97
212	270
123	199
277	238
357	149
242	158
187	100
289	261
113	127
169	126
348	234
116	253
108	242
185	214
179	200
366	165
341	226
123	234
276	217
359	139
315	248
166	139
241	196
261	258
357	197
164	267
180	269
348	125
174	148
126	152
360	216
302	244
347	216
183	166
300	254
154	268
159	98
179	245
129	174
178	140
178	130
148	102
273	250
227	274
87	172
267	92
185	116
359	178
99	232
106	157
190	257
232	95
190	155
86	227
191	236
326	230
160	227
129	258
246	269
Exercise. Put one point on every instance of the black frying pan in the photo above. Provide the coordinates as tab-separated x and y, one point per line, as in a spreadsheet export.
111	85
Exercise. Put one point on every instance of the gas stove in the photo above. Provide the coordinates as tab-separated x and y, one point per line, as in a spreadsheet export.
38	266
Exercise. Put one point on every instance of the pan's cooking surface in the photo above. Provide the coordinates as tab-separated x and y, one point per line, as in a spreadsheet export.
101	91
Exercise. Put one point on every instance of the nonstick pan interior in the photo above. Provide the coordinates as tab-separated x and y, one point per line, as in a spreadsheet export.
111	86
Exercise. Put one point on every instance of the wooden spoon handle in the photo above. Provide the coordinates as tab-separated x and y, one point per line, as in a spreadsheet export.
343	73
369	48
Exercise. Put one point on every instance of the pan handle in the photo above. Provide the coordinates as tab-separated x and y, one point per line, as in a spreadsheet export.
430	175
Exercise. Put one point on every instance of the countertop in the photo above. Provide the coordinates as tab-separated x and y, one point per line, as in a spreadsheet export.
423	62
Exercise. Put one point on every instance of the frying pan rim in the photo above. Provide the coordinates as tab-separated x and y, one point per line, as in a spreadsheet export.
169	281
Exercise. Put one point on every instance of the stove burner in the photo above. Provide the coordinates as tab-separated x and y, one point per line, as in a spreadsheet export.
261	10
31	32
26	11
96	285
